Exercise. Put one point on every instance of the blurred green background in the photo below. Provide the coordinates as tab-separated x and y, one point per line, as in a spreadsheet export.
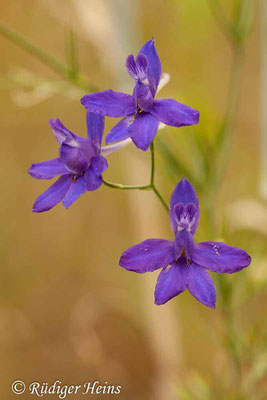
67	311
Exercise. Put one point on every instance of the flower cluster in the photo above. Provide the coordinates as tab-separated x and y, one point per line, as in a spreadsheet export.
82	161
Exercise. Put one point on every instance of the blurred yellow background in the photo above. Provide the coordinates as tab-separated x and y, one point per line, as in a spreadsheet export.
67	310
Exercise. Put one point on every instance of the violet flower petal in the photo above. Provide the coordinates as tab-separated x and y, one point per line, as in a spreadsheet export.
172	113
62	134
120	131
143	96
98	164
48	169
148	256
183	193
66	137
95	129
183	241
171	282
73	158
110	103
143	130
93	181
201	286
220	257
76	189
185	215
137	68
92	176
53	195
154	65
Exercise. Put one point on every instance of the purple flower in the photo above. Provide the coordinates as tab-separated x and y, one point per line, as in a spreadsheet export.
184	264
141	112
79	165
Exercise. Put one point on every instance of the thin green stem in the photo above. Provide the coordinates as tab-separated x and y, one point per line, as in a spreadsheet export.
165	205
126	187
151	186
152	176
47	59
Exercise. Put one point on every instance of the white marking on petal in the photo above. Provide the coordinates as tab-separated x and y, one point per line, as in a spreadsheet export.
161	125
165	78
107	150
215	248
145	82
73	143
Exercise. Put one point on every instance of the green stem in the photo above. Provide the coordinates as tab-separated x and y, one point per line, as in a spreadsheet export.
165	205
125	187
47	59
152	176
151	186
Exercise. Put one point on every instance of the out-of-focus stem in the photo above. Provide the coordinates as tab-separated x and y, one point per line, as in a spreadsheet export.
224	138
220	156
263	94
47	59
224	23
233	94
221	150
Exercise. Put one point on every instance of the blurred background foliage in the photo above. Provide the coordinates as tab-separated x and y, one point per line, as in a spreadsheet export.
67	310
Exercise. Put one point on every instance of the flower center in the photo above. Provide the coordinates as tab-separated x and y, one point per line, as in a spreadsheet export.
138	110
185	256
183	245
76	176
185	216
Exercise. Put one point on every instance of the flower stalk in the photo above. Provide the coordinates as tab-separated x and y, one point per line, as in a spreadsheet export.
150	186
